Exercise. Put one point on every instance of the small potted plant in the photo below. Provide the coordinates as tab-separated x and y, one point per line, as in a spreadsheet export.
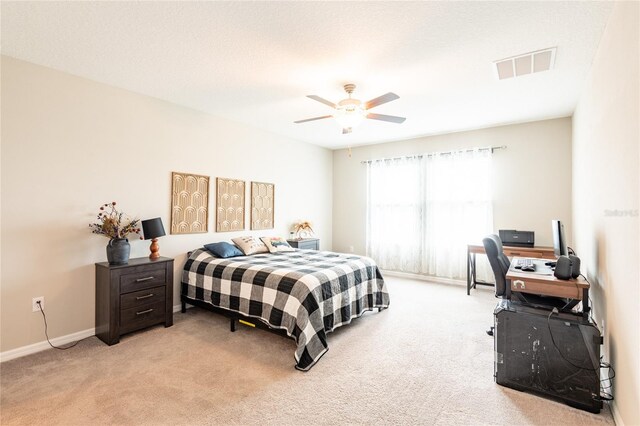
303	229
116	226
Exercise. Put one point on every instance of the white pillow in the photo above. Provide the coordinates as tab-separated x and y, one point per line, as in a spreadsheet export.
277	244
250	245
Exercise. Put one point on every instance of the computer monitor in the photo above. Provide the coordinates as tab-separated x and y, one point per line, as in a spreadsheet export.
559	240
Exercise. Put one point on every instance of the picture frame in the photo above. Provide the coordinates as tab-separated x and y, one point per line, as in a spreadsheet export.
230	204
262	205
189	203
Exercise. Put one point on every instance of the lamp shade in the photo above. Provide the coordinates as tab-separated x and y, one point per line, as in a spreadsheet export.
350	115
152	228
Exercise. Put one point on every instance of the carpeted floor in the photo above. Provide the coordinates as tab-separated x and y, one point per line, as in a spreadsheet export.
425	360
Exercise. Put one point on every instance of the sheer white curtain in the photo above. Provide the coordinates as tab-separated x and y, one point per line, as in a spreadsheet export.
422	212
395	213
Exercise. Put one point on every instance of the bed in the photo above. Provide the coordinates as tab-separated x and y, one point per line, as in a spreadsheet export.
304	294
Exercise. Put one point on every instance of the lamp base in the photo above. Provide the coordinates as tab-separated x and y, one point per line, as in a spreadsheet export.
155	249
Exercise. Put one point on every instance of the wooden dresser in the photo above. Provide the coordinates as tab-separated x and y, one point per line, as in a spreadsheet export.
133	296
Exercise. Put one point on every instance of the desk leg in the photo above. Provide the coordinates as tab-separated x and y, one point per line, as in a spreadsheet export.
473	270
468	273
585	303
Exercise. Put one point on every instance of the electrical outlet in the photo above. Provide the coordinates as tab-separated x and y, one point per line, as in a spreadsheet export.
34	303
351	249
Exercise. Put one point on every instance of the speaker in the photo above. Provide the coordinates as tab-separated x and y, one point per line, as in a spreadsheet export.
575	266
564	268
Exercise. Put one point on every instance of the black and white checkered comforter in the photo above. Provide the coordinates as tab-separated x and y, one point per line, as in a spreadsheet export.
308	293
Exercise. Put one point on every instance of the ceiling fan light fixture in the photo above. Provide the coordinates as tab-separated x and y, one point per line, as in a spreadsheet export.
350	114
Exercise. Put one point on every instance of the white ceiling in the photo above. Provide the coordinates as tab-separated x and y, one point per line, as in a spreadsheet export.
254	62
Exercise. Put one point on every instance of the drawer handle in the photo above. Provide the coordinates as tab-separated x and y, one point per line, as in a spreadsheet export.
515	253
144	312
145	297
520	283
139	280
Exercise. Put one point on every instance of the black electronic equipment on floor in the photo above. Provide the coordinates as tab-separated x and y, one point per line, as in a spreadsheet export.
556	355
511	237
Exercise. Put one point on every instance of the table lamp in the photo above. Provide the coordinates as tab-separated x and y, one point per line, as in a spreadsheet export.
152	229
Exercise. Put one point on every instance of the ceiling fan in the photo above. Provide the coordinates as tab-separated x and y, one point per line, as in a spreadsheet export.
350	112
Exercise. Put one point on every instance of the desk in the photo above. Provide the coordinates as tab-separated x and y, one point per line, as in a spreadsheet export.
544	283
473	249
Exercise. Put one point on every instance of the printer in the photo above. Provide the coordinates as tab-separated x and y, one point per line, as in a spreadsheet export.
511	237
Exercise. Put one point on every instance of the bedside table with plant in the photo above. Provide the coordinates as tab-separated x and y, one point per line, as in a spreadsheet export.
133	296
302	237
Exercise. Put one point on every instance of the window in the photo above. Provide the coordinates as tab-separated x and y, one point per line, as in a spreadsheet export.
423	211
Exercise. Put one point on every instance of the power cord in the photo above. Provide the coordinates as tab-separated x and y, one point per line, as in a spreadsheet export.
605	394
555	311
590	301
44	317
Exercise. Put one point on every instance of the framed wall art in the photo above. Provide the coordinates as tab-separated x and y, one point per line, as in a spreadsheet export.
229	205
262	202
189	203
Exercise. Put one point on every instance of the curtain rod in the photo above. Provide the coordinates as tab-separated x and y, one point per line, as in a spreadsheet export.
492	148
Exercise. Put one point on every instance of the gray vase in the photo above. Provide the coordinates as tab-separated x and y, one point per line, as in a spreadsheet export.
118	251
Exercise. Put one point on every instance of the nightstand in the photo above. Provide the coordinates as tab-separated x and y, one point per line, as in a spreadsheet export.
133	296
305	243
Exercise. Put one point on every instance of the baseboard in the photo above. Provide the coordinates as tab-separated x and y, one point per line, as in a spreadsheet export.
616	416
178	308
424	277
58	341
41	346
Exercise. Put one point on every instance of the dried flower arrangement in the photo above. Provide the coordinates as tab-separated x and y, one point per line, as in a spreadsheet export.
303	228
114	224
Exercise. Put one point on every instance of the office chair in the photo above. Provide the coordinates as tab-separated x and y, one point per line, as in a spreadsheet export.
500	265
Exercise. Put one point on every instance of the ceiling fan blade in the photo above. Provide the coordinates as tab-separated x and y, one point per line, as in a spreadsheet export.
390	118
312	119
323	100
381	100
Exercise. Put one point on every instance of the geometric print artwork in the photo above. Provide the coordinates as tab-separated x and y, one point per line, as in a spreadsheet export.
262	201
189	203
229	205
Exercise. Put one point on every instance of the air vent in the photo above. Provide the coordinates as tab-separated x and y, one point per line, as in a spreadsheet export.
516	66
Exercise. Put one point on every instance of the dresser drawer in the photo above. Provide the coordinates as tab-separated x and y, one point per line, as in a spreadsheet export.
305	244
142	316
150	276
142	297
308	245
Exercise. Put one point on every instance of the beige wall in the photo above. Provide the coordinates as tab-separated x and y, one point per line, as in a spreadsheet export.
70	144
531	178
606	175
